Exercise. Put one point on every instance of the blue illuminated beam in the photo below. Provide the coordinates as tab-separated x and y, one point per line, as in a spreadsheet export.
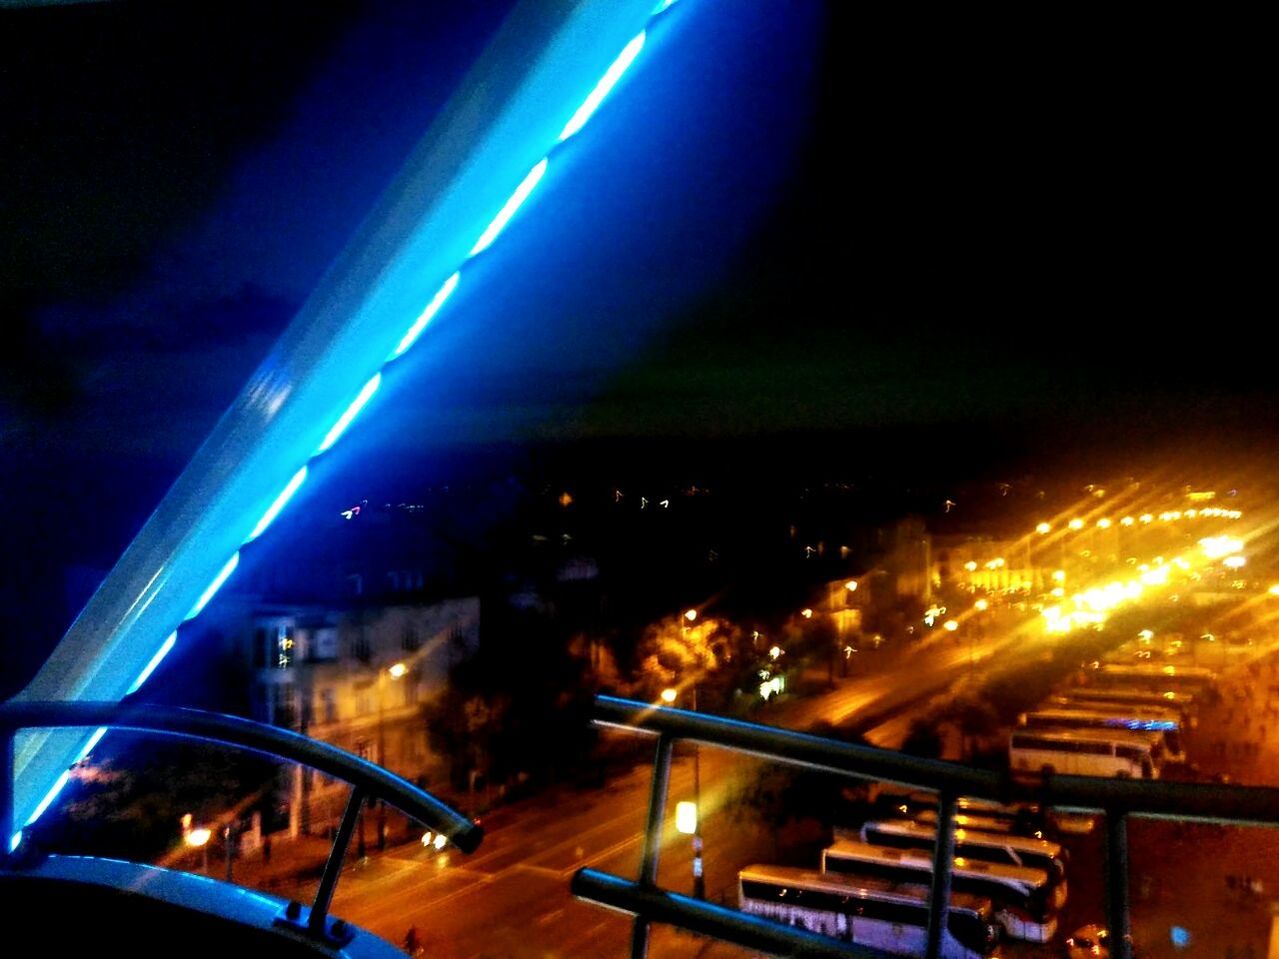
298	404
607	82
337	429
508	210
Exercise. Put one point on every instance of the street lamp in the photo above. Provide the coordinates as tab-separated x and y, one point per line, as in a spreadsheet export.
199	839
668	695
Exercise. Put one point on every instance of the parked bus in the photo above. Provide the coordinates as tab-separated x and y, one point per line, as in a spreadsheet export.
1198	680
1022	897
1001	848
870	912
1084	752
970	813
1182	702
1162	725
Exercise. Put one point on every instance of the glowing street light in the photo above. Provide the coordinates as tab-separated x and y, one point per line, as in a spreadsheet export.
981	605
806	613
1274	590
775	652
950	625
1076	524
686	818
851	586
1043	529
197	839
668	695
398	670
1103	523
690	614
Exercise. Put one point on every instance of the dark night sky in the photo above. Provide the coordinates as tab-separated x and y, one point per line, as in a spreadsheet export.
1031	233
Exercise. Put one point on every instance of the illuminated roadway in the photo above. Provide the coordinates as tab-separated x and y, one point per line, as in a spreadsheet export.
511	898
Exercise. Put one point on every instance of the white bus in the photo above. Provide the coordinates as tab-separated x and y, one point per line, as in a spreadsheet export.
1000	848
1084	752
1161	725
870	912
1199	680
985	815
1182	702
1022	897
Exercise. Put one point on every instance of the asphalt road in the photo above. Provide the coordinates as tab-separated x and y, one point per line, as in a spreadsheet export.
511	898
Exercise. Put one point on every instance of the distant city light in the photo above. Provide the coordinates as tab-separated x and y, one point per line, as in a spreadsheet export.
398	670
775	652
1103	523
441	841
690	614
1234	562
806	613
851	586
981	605
1274	590
1147	518
1126	521
1044	528
197	837
971	566
1076	524
1059	576
668	695
950	625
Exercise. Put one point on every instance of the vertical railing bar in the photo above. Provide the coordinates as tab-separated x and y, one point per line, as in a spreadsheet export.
6	790
943	864
1117	911
653	836
337	853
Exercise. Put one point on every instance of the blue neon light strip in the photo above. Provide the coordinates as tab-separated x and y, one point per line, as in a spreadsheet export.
155	661
214	586
49	797
274	509
607	82
437	301
579	119
508	210
338	428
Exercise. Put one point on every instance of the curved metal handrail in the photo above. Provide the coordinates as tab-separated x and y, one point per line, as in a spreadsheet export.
368	781
376	782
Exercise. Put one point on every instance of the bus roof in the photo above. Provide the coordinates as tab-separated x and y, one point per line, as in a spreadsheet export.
845	884
852	849
922	831
1114	719
1089	734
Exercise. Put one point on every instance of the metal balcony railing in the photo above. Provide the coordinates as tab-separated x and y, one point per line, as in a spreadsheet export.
1116	799
368	781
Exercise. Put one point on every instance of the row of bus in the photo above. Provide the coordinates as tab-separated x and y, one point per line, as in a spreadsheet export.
1124	720
873	884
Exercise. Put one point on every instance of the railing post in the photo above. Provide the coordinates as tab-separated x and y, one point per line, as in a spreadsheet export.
653	837
333	868
943	864
6	790
1117	915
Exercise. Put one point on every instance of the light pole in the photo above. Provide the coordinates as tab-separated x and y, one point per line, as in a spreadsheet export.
199	839
699	878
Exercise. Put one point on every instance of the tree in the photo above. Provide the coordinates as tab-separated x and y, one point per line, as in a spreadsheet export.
676	652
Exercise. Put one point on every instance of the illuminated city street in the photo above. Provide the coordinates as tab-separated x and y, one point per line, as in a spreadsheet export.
528	479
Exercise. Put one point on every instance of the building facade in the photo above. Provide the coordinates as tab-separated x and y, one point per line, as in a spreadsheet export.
359	678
